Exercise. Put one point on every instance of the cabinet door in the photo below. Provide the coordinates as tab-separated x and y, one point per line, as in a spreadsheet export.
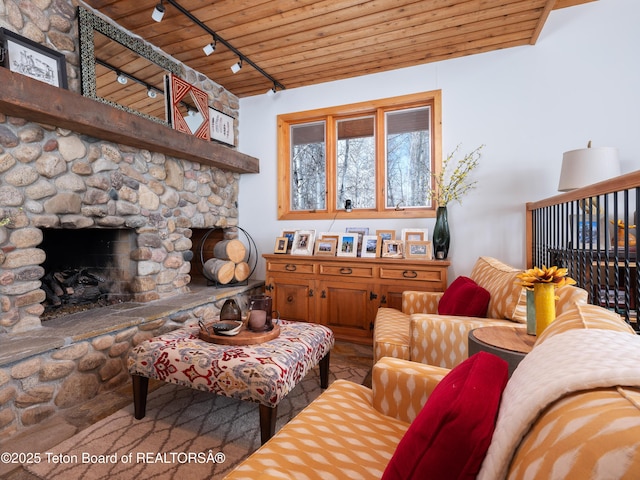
292	299
347	308
391	295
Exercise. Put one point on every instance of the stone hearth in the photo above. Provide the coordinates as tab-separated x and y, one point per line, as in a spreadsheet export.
75	358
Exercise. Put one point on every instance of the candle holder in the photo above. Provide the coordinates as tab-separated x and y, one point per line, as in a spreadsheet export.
260	313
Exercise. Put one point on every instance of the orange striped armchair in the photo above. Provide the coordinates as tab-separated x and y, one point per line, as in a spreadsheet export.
418	333
570	410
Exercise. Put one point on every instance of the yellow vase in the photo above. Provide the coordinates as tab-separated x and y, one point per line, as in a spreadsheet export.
545	301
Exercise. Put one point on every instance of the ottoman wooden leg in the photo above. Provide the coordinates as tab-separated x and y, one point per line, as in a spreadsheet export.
268	417
140	389
324	371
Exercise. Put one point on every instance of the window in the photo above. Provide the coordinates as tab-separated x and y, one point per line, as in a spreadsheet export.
379	156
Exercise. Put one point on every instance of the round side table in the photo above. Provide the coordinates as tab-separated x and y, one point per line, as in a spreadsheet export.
508	343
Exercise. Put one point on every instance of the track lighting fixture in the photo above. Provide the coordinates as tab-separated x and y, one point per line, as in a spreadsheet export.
158	12
210	47
272	91
122	79
151	93
235	68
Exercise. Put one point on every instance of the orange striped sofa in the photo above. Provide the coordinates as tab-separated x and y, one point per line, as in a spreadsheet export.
351	431
418	333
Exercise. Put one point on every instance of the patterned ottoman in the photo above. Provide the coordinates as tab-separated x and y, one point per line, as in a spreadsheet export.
263	373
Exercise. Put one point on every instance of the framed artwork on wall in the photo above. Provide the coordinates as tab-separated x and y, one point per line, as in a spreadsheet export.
22	55
221	127
188	108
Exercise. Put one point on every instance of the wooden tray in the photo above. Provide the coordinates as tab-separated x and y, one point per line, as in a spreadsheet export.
245	337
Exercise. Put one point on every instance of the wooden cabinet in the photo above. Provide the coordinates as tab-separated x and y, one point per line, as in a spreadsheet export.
344	293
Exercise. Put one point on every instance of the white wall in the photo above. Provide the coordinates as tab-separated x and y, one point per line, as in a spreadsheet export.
528	105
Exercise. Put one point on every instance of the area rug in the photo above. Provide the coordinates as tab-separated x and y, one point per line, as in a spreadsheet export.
186	434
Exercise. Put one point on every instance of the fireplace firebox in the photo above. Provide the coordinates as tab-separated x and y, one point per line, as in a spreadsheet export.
86	269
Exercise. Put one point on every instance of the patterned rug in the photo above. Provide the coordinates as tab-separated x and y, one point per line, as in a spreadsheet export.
186	434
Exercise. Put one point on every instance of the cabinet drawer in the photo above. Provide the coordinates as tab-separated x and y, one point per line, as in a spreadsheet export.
291	267
351	270
408	273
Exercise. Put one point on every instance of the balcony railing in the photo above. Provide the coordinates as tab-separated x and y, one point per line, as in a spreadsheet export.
592	231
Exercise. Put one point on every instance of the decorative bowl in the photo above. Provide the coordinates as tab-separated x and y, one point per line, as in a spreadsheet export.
227	327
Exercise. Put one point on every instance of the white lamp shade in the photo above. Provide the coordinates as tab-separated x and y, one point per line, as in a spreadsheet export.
587	166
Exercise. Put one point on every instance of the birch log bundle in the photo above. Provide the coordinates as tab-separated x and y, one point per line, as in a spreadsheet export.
228	264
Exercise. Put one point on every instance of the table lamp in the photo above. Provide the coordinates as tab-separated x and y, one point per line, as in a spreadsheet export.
587	166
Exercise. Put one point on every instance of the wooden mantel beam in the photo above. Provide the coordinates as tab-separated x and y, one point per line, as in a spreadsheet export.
24	97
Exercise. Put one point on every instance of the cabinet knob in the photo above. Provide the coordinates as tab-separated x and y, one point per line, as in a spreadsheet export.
409	274
311	293
323	294
372	296
290	267
290	299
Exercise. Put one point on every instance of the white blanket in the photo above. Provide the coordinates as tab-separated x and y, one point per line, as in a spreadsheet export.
568	362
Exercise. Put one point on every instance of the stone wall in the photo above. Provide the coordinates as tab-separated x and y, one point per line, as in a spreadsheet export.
54	178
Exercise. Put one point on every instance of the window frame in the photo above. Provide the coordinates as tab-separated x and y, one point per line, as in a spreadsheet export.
331	115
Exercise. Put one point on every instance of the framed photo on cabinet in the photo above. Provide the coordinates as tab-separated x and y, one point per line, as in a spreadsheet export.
348	245
281	245
371	245
393	249
419	250
386	235
415	234
325	246
289	234
303	242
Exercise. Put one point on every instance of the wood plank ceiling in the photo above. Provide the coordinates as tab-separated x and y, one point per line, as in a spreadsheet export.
304	42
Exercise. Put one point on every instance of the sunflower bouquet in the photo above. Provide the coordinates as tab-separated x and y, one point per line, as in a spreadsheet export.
552	275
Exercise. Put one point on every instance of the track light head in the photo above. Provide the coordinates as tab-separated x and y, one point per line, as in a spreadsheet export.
235	68
122	79
158	12
272	91
209	48
151	93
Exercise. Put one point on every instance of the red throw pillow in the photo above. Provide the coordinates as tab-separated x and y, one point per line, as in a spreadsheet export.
450	436
464	297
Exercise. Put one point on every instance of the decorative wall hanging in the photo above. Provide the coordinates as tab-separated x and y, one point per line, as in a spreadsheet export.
189	108
221	127
21	55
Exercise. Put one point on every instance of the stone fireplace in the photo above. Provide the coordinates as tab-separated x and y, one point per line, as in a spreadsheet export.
68	198
82	181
